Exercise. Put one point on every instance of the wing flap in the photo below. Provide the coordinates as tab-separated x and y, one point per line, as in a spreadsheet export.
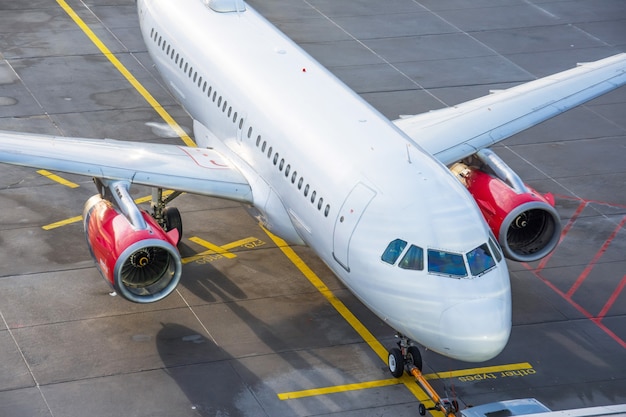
487	120
193	170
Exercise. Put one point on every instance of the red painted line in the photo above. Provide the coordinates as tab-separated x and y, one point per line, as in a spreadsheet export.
610	333
566	229
612	299
604	203
596	320
582	277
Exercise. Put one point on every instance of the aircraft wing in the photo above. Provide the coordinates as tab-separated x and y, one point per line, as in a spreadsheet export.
454	133
181	168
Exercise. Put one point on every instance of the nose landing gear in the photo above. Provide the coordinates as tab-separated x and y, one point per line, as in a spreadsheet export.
408	357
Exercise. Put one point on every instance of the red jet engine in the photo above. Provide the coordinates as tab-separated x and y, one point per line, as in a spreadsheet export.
525	222
135	255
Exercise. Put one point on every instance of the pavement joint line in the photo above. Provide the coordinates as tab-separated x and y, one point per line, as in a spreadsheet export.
126	73
393	381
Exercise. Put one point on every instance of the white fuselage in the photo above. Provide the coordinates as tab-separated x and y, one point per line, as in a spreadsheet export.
329	171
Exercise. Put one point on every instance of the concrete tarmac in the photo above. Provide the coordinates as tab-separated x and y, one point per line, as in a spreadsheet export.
248	333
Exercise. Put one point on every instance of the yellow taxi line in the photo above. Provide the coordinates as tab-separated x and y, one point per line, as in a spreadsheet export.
338	388
62	223
122	69
211	246
76	219
387	382
57	178
341	308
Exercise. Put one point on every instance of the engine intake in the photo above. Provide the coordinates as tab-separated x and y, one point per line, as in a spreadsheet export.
525	222
143	265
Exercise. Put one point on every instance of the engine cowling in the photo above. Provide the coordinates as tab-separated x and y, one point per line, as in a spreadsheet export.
525	222
143	266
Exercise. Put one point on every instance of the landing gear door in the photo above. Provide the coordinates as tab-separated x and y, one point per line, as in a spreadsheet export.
347	220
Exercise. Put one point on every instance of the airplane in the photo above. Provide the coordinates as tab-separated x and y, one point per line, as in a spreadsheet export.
416	216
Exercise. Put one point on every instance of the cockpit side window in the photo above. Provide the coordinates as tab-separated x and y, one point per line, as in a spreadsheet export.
495	249
413	259
480	260
446	263
393	251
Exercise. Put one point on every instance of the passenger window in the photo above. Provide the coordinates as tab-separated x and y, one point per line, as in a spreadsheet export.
446	263
413	259
480	260
393	251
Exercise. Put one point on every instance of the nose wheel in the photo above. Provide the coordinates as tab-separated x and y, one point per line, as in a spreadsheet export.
401	357
407	357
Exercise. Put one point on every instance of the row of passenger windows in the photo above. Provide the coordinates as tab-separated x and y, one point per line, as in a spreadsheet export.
480	260
222	103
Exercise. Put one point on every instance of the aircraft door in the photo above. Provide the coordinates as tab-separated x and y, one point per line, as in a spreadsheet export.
347	220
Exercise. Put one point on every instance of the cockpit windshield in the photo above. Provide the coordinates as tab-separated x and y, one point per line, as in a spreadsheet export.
480	260
446	263
440	262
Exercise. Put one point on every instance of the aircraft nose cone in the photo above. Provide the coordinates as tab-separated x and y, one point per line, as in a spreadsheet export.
476	330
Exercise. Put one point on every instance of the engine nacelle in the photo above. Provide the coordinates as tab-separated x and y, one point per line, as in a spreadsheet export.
142	265
526	223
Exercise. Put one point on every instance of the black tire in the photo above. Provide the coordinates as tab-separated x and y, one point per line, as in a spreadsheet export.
173	220
396	362
422	409
455	406
414	356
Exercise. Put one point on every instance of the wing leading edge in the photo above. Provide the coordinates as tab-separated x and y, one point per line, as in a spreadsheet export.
181	168
485	121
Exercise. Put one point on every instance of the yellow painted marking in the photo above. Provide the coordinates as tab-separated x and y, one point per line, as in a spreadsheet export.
76	219
122	69
250	242
58	179
62	223
388	382
341	308
147	198
339	388
479	371
217	249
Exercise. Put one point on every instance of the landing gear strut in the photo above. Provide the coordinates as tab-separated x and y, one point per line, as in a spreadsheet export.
167	217
407	357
